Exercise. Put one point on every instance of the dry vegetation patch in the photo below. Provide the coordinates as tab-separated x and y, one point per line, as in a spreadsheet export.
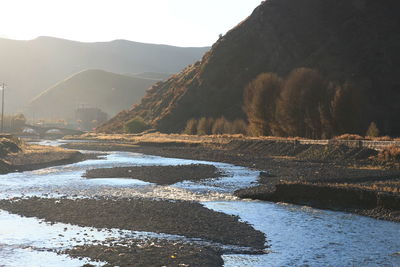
349	137
391	153
37	154
388	186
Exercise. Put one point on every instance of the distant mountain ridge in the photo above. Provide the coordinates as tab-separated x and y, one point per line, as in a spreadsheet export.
30	67
353	41
91	88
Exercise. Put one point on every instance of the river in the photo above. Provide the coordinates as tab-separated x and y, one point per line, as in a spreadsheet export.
297	235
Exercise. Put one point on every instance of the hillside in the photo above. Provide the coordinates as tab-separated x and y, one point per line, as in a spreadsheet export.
93	88
29	67
347	41
157	76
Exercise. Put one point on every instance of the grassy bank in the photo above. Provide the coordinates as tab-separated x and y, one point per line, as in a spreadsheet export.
16	155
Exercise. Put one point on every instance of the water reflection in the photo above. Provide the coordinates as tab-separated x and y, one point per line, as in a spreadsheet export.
299	236
302	236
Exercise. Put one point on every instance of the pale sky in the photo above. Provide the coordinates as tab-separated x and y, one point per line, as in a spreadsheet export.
173	22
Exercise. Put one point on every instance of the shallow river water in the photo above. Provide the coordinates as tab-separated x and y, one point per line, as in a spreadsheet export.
298	236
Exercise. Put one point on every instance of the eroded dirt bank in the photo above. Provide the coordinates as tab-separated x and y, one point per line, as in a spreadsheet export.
380	205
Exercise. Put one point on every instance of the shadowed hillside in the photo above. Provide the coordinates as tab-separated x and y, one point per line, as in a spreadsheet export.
347	41
29	67
94	88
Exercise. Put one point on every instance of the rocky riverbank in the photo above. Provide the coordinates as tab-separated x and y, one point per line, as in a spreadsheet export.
201	235
355	168
184	218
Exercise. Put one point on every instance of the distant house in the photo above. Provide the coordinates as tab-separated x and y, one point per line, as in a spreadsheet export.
89	118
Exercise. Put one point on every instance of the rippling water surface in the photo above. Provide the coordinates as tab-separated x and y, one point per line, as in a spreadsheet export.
298	236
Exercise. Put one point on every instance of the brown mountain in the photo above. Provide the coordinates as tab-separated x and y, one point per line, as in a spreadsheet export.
346	40
91	88
30	67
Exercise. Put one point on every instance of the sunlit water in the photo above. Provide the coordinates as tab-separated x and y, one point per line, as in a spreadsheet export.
302	236
298	236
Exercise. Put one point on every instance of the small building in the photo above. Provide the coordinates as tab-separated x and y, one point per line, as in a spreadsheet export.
89	118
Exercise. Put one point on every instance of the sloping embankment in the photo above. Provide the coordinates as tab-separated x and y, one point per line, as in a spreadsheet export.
16	155
382	205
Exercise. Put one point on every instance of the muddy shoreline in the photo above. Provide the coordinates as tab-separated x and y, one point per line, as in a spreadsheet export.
149	253
202	237
281	163
184	218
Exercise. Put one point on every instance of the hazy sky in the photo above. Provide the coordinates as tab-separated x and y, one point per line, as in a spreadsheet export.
175	22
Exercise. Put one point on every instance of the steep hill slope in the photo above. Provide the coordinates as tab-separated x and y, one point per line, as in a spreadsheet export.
346	40
93	88
29	67
158	76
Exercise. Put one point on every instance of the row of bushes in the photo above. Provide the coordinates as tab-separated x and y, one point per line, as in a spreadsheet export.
202	126
206	126
305	104
136	125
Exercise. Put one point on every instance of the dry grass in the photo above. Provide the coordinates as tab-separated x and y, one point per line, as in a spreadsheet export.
391	186
369	138
379	138
160	137
367	167
387	186
36	154
349	137
391	153
219	139
30	149
24	148
382	186
283	157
